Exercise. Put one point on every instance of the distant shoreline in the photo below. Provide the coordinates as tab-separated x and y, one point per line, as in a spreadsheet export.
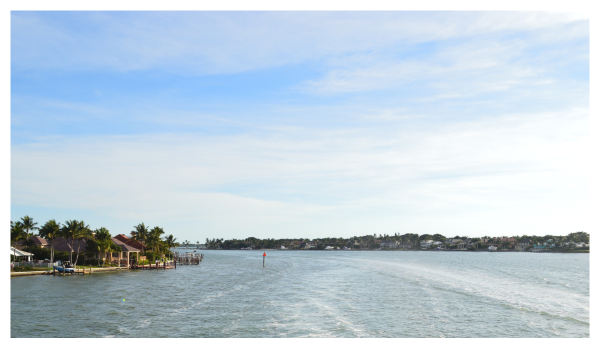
300	250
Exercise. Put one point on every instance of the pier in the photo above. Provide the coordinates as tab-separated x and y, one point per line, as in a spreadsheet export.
158	265
188	258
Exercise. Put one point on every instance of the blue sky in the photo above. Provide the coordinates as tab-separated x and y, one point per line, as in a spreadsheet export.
302	124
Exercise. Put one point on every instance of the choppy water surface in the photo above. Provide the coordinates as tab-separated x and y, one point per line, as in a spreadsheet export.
315	294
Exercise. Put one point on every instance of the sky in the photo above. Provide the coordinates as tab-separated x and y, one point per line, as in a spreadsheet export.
302	124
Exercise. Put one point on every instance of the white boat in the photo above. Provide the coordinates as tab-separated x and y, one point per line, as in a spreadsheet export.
492	248
328	248
65	267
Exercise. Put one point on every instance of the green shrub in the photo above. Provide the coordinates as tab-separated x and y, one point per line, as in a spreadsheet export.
150	256
61	256
22	269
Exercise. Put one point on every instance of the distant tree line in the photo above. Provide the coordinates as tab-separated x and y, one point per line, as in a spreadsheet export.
373	241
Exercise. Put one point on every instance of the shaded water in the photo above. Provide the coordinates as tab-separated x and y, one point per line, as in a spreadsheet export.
317	294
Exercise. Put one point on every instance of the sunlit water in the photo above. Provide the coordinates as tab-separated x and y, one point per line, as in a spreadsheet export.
317	294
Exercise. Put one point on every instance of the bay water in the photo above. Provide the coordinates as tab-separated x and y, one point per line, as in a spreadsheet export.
317	294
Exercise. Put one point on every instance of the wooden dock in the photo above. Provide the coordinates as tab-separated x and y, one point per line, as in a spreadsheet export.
188	258
157	266
179	259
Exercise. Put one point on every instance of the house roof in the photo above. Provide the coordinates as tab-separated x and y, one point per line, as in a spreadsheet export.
19	253
124	246
131	242
37	240
62	244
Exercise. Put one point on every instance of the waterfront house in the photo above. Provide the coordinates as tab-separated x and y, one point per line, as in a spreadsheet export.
453	241
576	245
388	245
523	244
308	245
404	245
437	243
64	244
131	242
295	244
123	258
426	244
37	241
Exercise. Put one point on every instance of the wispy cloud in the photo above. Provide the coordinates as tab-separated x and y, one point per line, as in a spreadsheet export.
301	177
216	42
460	70
302	124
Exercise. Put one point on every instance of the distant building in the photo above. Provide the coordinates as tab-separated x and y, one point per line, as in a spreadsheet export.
453	241
404	245
523	244
426	244
388	244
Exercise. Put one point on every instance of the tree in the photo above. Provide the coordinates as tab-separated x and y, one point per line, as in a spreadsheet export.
170	242
438	237
154	240
69	231
579	237
141	234
102	234
104	246
83	232
17	232
28	224
424	237
50	230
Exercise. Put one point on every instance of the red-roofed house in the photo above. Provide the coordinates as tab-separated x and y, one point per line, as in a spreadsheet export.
123	258
131	242
37	241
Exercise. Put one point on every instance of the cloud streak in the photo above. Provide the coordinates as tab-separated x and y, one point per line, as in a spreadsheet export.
197	43
301	177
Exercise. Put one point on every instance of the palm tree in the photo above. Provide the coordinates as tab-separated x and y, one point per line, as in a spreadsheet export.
170	242
104	246
141	234
50	231
17	232
28	224
154	240
102	234
83	232
70	230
